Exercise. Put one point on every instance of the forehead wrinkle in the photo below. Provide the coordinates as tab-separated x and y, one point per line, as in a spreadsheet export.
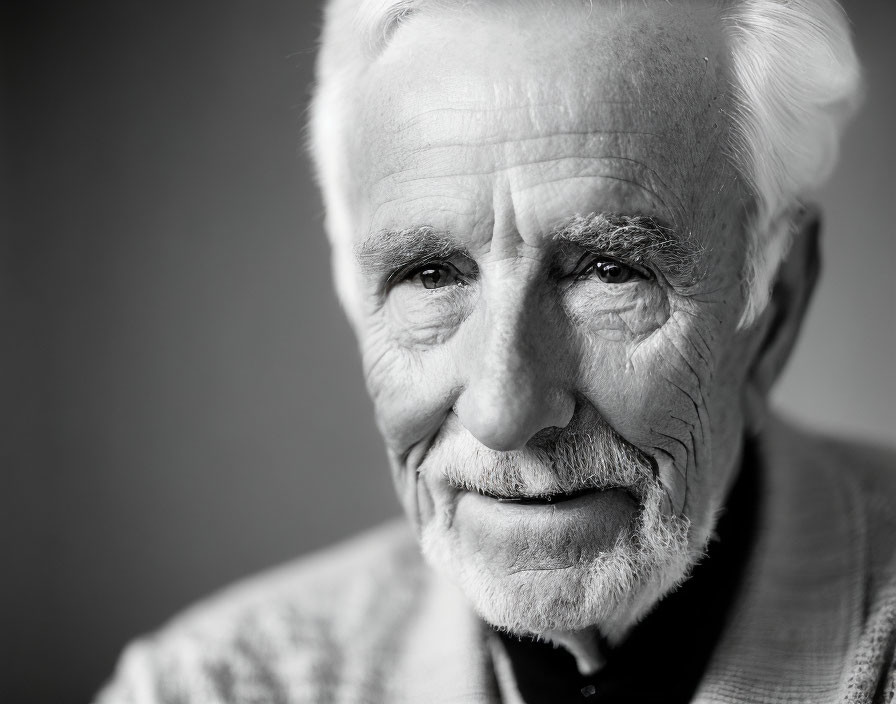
536	114
637	238
619	150
579	143
406	200
611	177
449	126
399	177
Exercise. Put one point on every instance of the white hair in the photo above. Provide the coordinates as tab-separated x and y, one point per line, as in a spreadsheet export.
796	82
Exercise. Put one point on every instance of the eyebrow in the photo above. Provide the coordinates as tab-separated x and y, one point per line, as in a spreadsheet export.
636	239
633	238
393	250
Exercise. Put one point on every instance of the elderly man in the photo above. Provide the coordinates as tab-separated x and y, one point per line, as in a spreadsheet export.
572	240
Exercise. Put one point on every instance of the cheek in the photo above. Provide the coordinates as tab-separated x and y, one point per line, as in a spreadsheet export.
627	313
412	387
420	318
663	393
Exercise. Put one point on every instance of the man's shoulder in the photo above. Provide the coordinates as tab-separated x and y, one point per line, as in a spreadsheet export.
871	469
870	466
293	626
334	583
866	478
863	475
816	611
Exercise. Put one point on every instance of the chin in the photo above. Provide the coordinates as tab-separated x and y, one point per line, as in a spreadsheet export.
610	590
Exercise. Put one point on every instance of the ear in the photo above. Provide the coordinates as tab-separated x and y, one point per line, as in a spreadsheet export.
780	323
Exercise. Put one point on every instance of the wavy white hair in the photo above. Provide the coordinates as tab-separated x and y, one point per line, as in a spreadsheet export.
796	82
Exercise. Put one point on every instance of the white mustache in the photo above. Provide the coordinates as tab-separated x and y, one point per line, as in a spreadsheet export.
555	461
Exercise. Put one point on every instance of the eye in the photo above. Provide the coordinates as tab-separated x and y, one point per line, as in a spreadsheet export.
609	271
436	275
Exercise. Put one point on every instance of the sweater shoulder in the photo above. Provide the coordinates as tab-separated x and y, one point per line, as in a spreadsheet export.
868	467
295	633
865	473
871	471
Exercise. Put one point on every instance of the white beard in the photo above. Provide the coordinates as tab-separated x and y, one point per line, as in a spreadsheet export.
612	590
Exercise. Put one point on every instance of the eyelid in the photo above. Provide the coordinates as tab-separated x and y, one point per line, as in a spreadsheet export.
408	270
591	257
402	272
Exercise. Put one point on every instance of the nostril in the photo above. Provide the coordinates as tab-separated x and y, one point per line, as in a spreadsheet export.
509	421
546	437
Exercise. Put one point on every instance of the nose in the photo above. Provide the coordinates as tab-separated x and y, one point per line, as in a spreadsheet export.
515	377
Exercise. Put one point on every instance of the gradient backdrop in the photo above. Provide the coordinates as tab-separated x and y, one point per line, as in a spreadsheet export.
183	401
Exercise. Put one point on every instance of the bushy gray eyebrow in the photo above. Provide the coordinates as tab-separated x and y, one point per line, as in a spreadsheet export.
635	239
389	251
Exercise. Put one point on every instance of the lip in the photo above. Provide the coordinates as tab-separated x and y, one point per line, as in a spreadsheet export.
541	499
580	505
518	535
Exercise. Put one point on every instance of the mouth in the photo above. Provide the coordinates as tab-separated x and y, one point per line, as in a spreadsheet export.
589	520
539	499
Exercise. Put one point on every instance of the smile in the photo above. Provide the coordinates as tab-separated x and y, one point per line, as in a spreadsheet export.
540	499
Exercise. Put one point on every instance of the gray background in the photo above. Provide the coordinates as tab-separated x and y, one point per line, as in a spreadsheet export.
183	404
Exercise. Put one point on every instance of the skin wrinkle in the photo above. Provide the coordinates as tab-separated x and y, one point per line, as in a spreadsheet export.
407	200
662	451
689	450
610	177
576	154
614	333
701	355
515	347
650	316
405	471
415	122
406	155
706	367
625	323
695	377
601	133
651	171
534	162
673	343
424	324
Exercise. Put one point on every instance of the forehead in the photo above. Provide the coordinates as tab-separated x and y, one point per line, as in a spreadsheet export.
532	115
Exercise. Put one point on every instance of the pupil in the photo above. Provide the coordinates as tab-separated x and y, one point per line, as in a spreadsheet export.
431	277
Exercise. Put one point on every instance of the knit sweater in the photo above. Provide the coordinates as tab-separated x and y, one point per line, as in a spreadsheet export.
367	621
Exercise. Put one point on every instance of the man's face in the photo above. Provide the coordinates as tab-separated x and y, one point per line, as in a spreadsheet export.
549	242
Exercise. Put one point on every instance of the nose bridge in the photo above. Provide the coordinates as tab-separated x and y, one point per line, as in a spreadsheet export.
515	381
516	340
